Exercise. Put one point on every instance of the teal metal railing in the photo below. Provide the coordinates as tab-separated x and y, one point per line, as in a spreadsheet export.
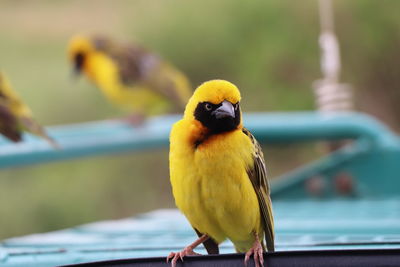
104	137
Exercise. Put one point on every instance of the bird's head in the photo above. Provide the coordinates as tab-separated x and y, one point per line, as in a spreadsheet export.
215	104
78	50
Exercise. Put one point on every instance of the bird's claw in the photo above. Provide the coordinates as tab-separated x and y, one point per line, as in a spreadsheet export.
257	251
188	251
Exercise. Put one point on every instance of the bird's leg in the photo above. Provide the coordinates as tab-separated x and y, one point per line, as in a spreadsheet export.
257	251
187	251
136	119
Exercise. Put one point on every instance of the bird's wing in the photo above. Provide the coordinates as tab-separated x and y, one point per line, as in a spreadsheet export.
210	245
130	59
9	126
171	83
133	63
258	177
136	65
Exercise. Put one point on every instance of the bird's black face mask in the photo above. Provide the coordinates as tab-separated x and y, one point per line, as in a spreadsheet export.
79	60
218	118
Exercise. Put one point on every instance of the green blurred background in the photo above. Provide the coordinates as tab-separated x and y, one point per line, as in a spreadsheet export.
268	48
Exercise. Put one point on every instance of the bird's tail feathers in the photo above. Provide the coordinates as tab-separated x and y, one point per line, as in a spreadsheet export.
35	128
269	229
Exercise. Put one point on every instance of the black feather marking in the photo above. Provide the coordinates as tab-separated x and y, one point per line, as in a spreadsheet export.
214	125
203	113
198	142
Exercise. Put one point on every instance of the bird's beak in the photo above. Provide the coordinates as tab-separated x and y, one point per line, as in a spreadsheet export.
226	110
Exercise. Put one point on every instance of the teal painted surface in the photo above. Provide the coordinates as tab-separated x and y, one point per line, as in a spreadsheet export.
373	171
365	216
300	225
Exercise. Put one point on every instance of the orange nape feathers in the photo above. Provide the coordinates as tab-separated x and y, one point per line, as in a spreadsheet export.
213	91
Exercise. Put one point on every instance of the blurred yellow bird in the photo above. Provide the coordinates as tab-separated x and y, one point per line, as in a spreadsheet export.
218	175
15	116
130	76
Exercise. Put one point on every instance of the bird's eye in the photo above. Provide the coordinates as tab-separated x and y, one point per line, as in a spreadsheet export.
236	106
208	106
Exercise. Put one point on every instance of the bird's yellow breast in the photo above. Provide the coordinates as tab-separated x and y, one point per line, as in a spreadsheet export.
211	186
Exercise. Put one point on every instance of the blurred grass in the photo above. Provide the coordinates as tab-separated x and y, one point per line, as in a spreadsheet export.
268	48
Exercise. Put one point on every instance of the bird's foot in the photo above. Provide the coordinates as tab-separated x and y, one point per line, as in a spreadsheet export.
257	251
188	251
136	119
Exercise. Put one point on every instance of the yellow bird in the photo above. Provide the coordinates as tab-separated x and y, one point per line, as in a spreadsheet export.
218	175
15	116
130	76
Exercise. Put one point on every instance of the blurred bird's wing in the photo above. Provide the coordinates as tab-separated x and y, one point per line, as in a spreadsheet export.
136	65
171	83
30	125
127	57
9	126
210	245
258	177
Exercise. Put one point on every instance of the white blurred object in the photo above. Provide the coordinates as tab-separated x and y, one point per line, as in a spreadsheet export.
330	95
330	56
333	97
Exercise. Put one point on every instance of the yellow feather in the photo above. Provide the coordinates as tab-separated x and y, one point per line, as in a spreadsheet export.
13	100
